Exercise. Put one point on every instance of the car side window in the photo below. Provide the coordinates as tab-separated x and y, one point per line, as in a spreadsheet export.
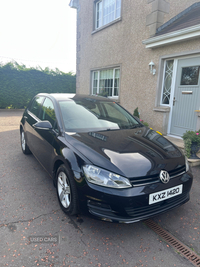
48	113
36	105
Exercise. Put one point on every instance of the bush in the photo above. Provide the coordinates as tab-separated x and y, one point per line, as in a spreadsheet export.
190	137
19	84
136	113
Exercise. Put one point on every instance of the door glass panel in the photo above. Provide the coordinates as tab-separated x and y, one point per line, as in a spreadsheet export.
167	82
190	75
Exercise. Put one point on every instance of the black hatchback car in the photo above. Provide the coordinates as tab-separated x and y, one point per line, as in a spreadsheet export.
102	159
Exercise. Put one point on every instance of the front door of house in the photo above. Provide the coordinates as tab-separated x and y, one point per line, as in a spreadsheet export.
186	96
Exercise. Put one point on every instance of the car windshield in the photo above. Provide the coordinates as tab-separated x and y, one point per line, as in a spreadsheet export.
85	114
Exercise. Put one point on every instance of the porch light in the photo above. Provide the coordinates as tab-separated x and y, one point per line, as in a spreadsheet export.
151	67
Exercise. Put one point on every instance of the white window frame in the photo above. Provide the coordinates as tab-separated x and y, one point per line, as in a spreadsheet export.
113	86
96	4
102	13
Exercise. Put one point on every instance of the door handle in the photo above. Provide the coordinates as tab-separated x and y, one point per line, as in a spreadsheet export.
174	100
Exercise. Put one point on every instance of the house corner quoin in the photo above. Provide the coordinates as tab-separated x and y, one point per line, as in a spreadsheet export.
156	18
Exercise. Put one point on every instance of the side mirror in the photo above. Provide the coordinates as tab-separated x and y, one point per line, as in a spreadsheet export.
43	125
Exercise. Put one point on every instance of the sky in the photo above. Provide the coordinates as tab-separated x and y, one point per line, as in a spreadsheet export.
38	33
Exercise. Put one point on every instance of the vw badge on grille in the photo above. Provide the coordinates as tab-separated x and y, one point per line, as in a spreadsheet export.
164	177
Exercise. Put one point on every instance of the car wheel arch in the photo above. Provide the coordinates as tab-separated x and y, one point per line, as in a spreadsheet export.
56	165
71	166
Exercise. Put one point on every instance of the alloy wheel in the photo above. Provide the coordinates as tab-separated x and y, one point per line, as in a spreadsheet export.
64	191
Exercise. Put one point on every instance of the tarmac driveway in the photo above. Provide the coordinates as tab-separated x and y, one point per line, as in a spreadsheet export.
35	232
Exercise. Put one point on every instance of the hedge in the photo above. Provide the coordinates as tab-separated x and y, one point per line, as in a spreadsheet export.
19	84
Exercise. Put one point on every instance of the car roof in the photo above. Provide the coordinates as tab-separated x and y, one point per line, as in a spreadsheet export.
67	96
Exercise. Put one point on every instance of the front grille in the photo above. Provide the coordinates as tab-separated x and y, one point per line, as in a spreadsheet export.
155	178
145	211
177	171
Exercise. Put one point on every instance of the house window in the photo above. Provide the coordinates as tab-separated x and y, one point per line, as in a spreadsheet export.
107	11
106	82
167	83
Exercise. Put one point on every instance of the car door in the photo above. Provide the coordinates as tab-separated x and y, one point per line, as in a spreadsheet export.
47	138
30	118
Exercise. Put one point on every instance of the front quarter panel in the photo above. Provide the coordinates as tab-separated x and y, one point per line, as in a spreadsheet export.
67	154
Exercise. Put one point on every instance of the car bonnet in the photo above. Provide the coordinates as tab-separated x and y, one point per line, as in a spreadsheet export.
132	153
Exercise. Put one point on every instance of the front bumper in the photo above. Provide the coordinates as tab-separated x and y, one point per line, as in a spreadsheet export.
132	204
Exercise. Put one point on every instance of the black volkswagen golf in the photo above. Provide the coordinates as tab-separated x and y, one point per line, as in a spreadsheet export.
103	160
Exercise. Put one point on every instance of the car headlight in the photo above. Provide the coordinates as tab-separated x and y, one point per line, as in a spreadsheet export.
187	166
102	177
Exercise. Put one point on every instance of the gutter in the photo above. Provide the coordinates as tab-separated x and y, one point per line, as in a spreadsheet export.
172	37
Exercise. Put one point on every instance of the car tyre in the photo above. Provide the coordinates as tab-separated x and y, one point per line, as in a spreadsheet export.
24	146
66	191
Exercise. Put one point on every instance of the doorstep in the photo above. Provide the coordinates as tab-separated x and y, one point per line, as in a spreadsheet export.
179	143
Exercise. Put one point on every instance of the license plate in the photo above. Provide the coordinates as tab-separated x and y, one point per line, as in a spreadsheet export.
165	194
